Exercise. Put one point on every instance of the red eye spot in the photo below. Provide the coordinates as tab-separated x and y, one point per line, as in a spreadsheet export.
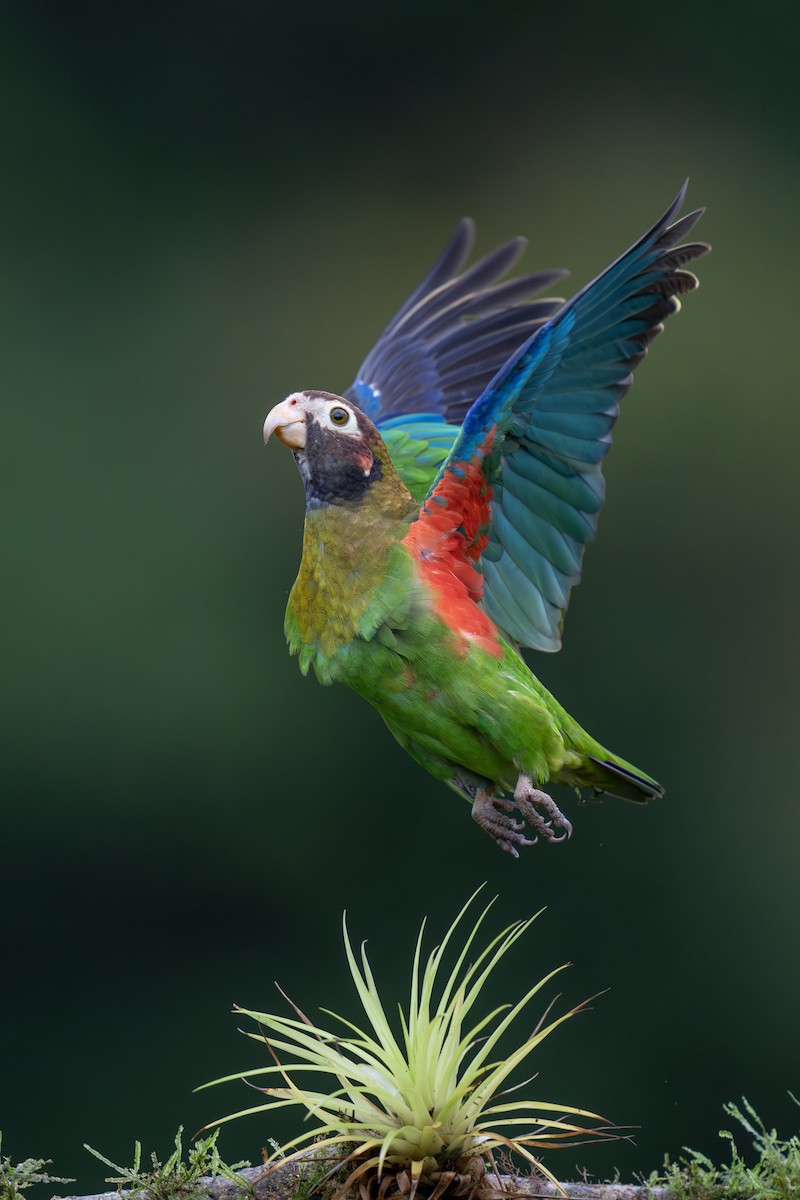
293	402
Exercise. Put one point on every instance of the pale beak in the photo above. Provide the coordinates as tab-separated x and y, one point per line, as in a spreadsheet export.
288	421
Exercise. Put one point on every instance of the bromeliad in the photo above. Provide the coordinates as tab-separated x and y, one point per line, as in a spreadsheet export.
422	1111
451	492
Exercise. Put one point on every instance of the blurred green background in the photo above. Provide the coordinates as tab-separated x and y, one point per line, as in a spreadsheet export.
206	206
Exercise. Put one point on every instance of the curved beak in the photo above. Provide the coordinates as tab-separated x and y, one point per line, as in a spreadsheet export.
288	421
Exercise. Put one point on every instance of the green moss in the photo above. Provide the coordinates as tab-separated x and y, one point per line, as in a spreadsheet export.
774	1176
173	1179
15	1179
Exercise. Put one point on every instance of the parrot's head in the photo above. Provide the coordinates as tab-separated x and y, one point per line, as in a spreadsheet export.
341	456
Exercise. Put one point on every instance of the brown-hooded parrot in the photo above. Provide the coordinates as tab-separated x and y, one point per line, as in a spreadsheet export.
450	494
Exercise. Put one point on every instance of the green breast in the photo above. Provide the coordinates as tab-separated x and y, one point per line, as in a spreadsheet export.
354	575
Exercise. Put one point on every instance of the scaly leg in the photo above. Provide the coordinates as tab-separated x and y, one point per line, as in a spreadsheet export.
526	796
486	812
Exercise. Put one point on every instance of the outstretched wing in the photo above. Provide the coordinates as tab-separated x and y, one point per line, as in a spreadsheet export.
443	347
520	493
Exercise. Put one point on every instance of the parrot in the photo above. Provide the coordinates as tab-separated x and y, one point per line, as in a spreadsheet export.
451	492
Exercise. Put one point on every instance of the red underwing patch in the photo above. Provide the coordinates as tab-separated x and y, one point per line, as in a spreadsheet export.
447	540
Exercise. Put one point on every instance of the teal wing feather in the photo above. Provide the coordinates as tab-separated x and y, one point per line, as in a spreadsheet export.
548	415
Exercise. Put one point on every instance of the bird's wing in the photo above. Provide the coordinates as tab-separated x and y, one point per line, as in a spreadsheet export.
418	445
443	347
522	487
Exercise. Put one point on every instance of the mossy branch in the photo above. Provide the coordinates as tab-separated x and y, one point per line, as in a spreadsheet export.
775	1175
286	1182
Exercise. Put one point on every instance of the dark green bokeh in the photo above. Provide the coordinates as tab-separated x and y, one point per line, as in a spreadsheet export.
207	206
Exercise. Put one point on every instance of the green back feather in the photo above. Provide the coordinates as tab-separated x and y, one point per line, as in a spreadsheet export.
418	448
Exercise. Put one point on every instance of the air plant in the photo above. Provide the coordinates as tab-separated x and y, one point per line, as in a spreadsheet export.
425	1109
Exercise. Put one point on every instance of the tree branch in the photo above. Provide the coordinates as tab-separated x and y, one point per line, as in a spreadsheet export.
282	1182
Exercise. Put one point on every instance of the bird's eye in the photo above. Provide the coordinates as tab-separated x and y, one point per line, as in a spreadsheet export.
339	416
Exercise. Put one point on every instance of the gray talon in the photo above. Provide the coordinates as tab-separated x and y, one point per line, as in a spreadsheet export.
492	814
527	797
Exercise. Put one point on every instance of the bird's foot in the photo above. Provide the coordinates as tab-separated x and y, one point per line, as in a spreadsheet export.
491	813
526	797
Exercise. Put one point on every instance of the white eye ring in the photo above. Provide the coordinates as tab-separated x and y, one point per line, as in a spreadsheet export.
345	419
